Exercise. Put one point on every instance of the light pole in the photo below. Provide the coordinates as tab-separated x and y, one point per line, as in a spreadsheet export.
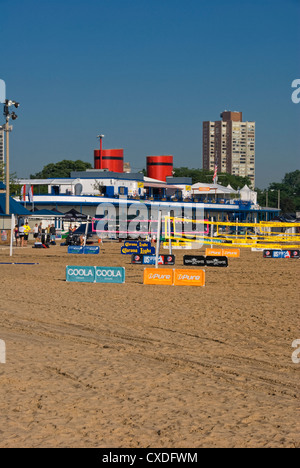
7	128
278	204
100	138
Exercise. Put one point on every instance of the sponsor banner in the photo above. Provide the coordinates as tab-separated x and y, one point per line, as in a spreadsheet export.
156	276
150	259
80	274
178	246
256	249
74	249
213	252
216	261
194	260
137	259
91	250
295	253
131	244
189	278
135	244
130	250
109	275
147	251
281	254
267	254
232	253
145	245
138	250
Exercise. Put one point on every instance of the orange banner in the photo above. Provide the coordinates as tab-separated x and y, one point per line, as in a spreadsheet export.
214	252
232	253
158	276
189	277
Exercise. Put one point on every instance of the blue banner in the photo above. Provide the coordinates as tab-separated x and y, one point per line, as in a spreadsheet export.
131	244
162	260
281	254
136	244
87	250
74	249
147	251
145	245
138	251
91	250
109	275
130	250
80	274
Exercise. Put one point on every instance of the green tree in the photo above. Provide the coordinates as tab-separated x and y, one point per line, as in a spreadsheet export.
61	169
14	188
288	192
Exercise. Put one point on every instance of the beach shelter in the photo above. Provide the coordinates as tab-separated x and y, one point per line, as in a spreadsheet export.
15	207
49	213
74	215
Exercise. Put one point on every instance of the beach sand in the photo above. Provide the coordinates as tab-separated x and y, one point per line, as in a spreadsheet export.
91	365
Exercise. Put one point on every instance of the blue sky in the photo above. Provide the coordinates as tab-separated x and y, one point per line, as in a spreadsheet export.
146	73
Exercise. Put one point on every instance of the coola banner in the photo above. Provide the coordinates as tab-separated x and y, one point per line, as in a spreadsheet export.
80	274
110	275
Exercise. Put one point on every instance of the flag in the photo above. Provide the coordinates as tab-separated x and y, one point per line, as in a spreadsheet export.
27	190
30	193
23	192
215	177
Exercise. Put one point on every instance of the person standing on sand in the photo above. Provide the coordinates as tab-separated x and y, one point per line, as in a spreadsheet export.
27	230
52	233
16	233
40	231
21	235
36	232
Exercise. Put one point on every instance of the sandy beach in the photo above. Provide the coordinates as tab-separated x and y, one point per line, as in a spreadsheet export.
91	365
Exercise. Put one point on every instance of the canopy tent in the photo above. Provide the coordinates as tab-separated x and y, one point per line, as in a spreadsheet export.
57	212
49	213
213	189
74	215
15	207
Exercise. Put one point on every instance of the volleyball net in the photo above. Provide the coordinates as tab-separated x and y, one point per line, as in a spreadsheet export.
264	235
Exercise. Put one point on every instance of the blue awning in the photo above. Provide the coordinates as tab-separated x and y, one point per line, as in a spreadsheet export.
14	207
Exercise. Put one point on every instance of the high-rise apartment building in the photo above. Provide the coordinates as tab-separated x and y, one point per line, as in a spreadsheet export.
231	143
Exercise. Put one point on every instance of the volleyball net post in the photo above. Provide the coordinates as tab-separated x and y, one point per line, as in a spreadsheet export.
158	238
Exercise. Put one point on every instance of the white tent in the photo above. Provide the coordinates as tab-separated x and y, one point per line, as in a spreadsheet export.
212	188
248	195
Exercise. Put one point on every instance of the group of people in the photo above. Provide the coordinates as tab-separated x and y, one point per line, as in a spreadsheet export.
40	234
